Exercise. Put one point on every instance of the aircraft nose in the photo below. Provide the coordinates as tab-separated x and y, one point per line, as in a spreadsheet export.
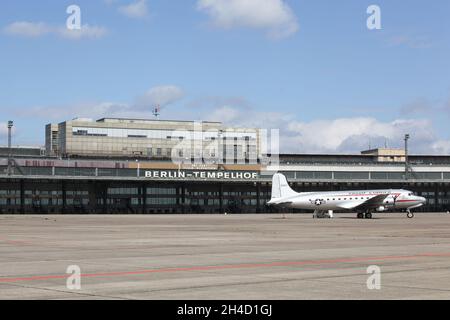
422	199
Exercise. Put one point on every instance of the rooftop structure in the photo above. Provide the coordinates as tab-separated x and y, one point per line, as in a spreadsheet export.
387	154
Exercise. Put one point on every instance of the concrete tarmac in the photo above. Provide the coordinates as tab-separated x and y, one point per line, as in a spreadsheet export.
225	257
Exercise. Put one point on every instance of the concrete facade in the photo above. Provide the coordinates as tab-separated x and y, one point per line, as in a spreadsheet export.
51	140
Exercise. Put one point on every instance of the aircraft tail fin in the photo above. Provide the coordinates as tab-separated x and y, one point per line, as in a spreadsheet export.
280	187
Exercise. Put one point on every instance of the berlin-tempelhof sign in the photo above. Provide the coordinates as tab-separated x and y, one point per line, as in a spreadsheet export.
209	175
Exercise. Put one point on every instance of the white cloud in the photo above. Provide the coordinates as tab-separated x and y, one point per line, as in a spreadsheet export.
344	135
160	95
141	108
274	16
39	29
86	31
236	116
441	147
27	29
136	9
413	42
225	114
355	134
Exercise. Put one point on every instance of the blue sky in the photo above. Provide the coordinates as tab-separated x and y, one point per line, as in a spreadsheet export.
309	68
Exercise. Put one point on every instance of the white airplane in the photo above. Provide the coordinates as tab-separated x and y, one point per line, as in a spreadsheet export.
364	202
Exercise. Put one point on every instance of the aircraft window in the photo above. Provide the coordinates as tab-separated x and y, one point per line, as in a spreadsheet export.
334	199
345	198
339	199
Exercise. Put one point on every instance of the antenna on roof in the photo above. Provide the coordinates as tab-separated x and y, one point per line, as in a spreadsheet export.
156	111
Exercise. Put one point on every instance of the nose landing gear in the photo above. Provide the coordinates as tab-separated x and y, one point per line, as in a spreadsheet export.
410	215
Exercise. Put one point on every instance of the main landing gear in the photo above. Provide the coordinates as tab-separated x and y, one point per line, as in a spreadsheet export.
410	215
362	215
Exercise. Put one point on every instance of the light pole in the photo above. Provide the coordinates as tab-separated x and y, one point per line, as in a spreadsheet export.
10	125
406	156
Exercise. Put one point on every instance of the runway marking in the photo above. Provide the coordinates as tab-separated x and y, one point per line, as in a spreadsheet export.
15	242
225	267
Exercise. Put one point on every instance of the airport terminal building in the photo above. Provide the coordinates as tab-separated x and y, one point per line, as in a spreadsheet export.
151	139
127	166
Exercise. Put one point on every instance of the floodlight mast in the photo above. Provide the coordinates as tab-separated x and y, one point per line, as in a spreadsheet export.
10	126
406	156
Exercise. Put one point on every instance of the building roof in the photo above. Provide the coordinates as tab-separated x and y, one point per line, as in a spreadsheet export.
151	120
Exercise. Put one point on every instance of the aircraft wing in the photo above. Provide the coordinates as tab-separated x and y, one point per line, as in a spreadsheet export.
283	203
350	205
368	204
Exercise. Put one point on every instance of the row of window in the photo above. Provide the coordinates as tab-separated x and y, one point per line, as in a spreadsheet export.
38	192
291	175
225	193
123	191
225	202
83	201
9	192
158	191
161	134
161	201
348	175
77	193
353	198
